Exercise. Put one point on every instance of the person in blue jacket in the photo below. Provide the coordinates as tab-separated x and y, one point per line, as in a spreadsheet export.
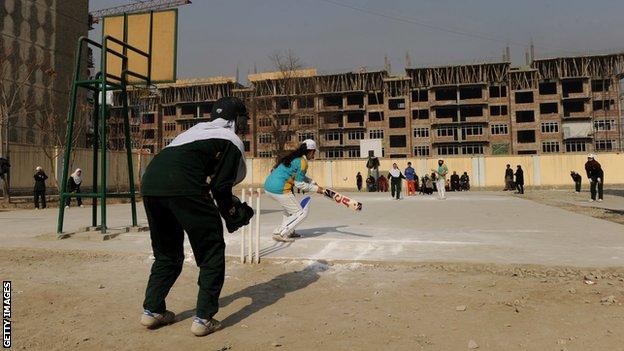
289	173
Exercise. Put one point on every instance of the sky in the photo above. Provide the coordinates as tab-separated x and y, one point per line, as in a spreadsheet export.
217	36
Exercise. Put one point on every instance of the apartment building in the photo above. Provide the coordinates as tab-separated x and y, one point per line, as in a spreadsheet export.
558	105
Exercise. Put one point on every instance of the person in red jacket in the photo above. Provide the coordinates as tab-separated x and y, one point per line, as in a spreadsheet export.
595	174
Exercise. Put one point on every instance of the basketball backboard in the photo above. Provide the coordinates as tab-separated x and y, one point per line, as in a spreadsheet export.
161	27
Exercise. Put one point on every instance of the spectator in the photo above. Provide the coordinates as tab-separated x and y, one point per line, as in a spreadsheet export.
396	178
358	181
509	177
412	178
577	181
440	174
370	184
382	184
73	186
595	174
40	187
464	182
520	180
454	181
428	185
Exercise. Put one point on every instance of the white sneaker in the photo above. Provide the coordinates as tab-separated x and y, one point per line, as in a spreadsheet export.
81	206
599	200
203	327
67	207
591	200
153	320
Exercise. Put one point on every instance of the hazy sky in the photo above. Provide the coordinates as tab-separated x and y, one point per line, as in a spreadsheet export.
216	36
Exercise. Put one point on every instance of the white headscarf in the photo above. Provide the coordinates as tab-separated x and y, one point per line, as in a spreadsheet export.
218	129
77	178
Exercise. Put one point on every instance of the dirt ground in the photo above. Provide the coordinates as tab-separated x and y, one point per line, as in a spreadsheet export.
566	200
87	300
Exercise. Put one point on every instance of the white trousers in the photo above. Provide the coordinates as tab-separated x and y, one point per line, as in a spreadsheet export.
440	184
293	213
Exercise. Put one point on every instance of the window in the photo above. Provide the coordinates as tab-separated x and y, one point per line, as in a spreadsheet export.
550	146
604	125
333	153
148	134
357	117
398	156
396	104
448	150
357	100
265	154
573	106
470	93
264	122
471	130
599	85
284	121
355	135
525	116
524	97
572	86
170	127
397	122
527	152
353	153
188	124
398	141
169	111
549	107
500	149
421	95
376	134
471	111
550	127
526	136
305	135
421	150
305	102
421	132
246	145
306	120
375	116
265	105
446	131
189	110
499	129
446	112
333	136
575	146
134	128
420	114
604	145
446	94
605	105
148	118
471	149
332	101
375	98
498	110
333	119
167	141
265	138
498	91
548	88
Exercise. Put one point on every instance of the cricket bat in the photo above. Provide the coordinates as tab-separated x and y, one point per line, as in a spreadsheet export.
341	199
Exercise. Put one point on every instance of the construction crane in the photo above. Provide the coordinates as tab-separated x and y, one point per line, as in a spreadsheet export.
136	6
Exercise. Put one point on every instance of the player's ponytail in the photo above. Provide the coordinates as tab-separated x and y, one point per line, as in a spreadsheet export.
300	151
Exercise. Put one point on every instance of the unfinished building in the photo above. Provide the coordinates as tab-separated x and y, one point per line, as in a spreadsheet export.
568	104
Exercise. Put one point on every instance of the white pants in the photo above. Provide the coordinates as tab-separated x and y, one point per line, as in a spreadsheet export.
293	213
440	184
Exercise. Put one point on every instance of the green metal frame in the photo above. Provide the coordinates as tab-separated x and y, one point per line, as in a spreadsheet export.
102	83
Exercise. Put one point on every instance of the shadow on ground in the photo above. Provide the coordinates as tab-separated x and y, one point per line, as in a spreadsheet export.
265	294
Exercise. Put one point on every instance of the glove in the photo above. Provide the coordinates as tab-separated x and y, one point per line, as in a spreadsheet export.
239	215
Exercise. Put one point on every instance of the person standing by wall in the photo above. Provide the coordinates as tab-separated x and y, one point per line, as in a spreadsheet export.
519	180
73	185
40	187
595	174
464	182
455	181
509	177
440	174
577	181
396	177
358	181
410	175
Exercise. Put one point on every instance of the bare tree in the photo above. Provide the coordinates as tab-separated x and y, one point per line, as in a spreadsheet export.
287	65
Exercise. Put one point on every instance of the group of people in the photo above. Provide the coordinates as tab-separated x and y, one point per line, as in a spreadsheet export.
427	184
73	186
595	174
517	183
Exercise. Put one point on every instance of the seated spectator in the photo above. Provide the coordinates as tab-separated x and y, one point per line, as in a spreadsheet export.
464	182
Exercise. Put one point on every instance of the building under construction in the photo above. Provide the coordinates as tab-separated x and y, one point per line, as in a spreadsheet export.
566	104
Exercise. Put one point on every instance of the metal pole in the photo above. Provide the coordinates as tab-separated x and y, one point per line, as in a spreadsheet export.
103	138
258	226
249	228
242	233
96	126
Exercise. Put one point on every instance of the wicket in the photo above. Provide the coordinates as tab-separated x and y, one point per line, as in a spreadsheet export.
253	245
